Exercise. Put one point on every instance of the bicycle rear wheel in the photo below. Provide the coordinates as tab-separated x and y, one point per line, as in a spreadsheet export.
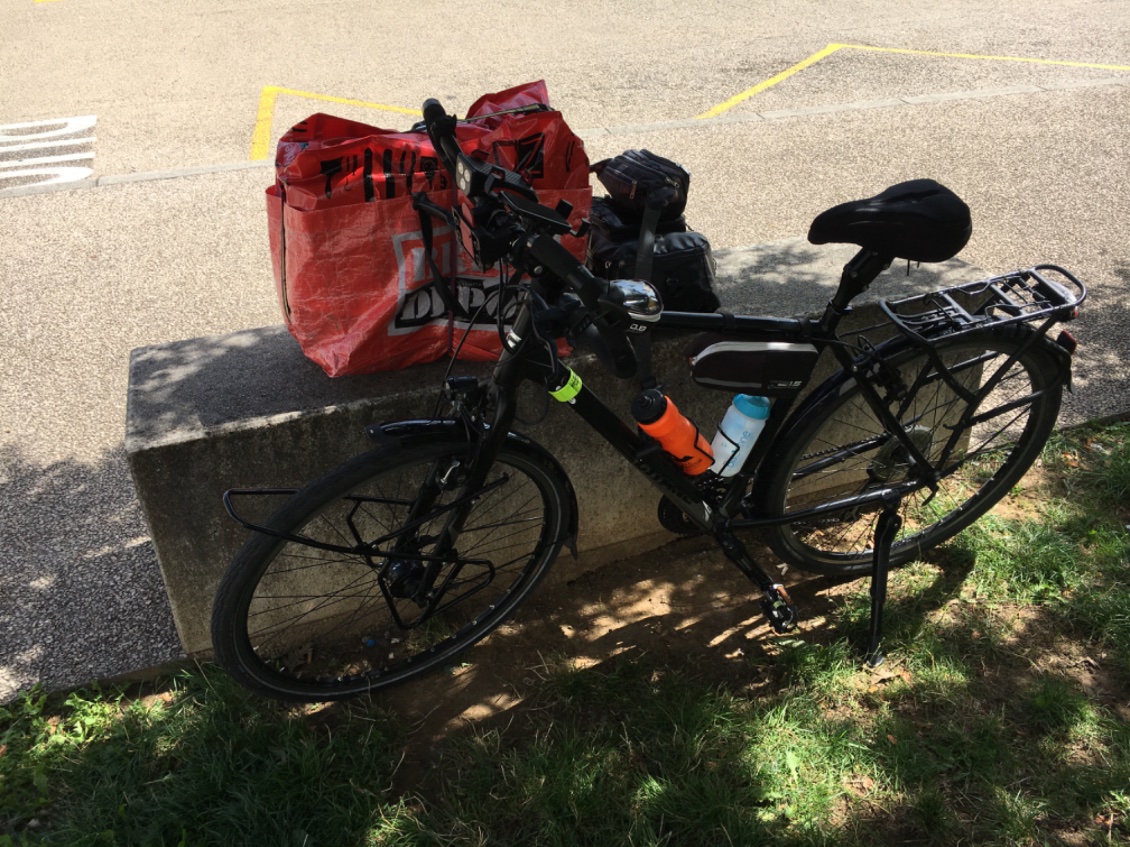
841	449
300	622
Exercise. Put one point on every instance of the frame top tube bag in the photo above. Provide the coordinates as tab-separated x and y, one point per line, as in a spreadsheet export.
751	363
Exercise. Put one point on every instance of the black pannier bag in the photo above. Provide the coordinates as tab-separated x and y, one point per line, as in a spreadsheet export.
639	231
682	267
638	179
751	365
618	224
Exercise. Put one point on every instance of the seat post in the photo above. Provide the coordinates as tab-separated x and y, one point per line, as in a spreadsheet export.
858	274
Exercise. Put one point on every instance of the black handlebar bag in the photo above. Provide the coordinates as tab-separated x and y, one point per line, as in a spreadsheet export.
639	231
618	224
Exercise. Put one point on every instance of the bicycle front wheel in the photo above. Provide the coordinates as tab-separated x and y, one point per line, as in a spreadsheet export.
841	449
378	602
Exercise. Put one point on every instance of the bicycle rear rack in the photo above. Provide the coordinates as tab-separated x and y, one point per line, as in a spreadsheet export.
1017	297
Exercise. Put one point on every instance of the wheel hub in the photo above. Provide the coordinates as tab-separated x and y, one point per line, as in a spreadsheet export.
403	577
893	462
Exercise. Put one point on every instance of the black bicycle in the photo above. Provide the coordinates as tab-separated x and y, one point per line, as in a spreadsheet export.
393	563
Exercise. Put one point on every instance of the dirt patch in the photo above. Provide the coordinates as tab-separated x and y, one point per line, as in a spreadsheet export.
683	605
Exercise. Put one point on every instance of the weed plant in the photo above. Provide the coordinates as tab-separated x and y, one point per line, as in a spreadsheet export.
1000	718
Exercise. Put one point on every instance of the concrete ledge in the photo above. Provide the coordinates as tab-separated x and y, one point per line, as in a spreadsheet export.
248	410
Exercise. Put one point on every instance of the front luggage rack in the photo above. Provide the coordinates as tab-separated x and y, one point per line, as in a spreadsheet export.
1017	297
229	506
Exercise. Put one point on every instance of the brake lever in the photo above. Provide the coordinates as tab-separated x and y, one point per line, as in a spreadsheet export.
547	220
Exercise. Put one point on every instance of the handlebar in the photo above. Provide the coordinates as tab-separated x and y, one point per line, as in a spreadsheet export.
548	254
621	356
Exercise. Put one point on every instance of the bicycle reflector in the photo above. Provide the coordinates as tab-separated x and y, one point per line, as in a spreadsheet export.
1067	341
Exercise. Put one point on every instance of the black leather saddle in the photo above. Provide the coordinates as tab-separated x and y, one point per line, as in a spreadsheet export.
920	220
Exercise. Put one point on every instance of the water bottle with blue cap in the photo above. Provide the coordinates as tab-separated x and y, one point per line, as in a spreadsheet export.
737	433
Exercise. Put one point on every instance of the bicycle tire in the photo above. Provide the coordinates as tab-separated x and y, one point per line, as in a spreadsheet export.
839	448
279	629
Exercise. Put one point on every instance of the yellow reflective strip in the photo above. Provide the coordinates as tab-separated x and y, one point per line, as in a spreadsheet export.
570	389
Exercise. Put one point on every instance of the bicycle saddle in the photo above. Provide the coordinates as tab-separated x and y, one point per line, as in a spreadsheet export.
920	220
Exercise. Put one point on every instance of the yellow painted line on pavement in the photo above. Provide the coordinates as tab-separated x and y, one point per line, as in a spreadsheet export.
834	48
1023	59
769	83
264	120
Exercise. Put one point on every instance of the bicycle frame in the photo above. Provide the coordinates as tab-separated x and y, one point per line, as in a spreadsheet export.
720	515
896	421
725	507
712	515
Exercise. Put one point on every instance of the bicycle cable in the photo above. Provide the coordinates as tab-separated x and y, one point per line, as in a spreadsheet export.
551	351
455	355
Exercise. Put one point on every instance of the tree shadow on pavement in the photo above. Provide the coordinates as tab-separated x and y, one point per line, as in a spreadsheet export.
81	596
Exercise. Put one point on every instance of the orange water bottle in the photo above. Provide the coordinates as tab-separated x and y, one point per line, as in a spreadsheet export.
660	418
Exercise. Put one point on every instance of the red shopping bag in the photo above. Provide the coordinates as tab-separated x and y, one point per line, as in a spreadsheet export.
348	248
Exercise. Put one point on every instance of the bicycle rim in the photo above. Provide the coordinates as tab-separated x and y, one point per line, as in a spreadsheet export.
843	450
297	622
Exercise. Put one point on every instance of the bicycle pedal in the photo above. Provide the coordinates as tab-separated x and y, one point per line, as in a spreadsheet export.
783	616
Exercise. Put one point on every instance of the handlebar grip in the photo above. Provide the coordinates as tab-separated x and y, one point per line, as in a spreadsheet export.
433	109
441	131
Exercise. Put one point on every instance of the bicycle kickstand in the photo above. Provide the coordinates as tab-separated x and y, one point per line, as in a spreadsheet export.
886	528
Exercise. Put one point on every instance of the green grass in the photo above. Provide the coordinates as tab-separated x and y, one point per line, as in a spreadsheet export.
201	764
1000	718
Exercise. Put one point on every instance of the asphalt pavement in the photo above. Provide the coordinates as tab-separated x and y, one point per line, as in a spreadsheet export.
779	110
